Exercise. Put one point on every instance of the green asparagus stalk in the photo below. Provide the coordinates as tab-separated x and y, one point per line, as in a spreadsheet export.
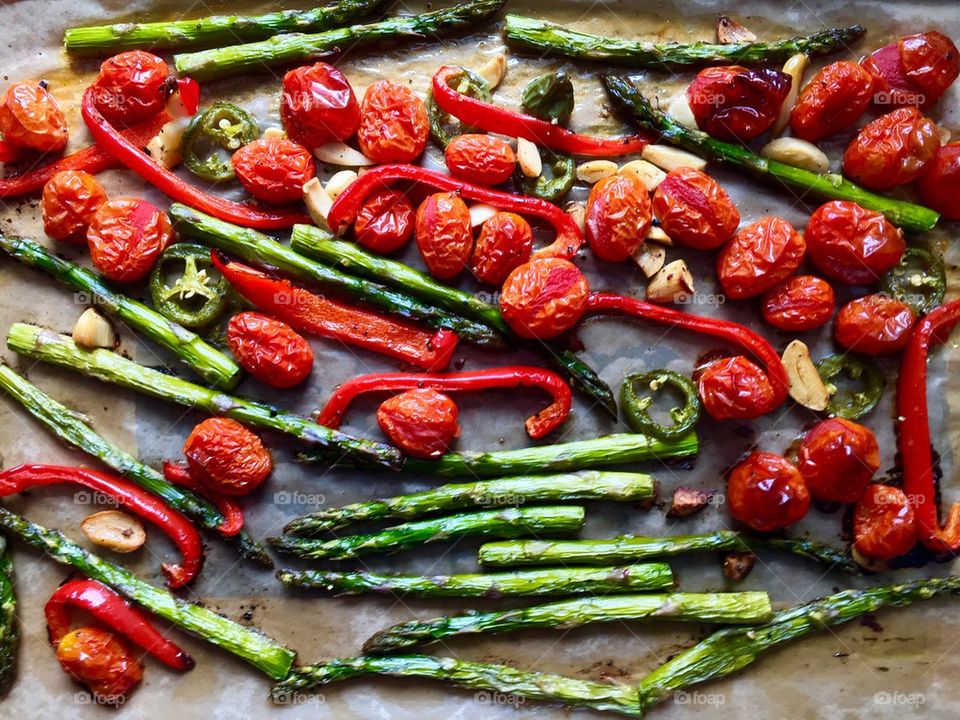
522	490
246	643
209	363
728	608
508	522
547	37
296	47
213	30
51	347
632	548
9	638
523	583
263	250
909	216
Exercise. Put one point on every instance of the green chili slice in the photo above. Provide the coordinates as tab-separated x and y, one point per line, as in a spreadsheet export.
549	97
466	82
867	385
636	406
558	176
919	280
198	295
213	136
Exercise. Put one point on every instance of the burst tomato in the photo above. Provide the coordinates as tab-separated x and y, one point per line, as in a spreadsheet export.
132	86
694	210
767	492
385	222
759	257
30	117
833	100
226	457
318	105
444	234
505	243
618	217
837	458
393	123
737	103
734	388
916	70
125	237
874	324
940	186
801	302
480	159
422	422
273	169
544	298
892	150
269	350
70	200
883	523
100	661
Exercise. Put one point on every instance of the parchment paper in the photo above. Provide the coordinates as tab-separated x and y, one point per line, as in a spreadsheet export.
855	671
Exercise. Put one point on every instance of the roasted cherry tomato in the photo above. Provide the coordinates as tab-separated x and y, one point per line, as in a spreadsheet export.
837	458
767	492
132	86
883	523
444	234
99	660
734	388
544	298
849	243
618	217
737	103
31	118
422	422
125	238
226	457
874	324
940	186
480	159
801	302
833	100
385	222
318	105
505	243
273	169
759	257
694	210
269	350
916	70
393	123
70	200
892	150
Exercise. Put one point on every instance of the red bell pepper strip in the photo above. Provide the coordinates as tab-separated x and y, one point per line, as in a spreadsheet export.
537	425
189	91
114	142
345	208
310	313
914	435
492	118
233	515
126	494
112	610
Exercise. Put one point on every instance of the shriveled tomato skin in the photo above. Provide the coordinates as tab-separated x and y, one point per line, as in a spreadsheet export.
421	422
132	86
874	324
70	200
619	214
737	103
318	105
385	222
505	243
916	70
544	298
892	150
884	526
99	660
694	210
226	457
799	303
940	186
480	159
269	349
30	117
273	169
126	236
760	256
393	123
444	234
734	388
833	100
852	244
837	459
767	492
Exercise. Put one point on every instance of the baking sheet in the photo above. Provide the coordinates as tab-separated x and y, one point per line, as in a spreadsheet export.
855	671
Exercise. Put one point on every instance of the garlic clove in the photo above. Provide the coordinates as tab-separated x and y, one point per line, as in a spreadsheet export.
795	66
493	71
667	157
528	157
805	384
593	171
730	31
480	213
337	153
672	283
92	330
114	530
679	110
318	202
339	182
650	258
797	153
647	173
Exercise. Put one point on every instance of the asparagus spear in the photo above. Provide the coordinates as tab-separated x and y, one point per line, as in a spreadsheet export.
263	250
544	36
523	583
734	608
48	346
911	217
522	490
213	30
632	548
246	643
296	47
509	522
9	639
209	363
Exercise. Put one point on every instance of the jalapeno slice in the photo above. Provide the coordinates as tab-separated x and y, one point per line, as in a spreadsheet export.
549	97
198	295
466	82
636	406
867	385
558	176
919	280
213	136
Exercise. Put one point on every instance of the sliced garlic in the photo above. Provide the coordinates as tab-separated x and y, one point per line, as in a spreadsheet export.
805	384
164	149
657	235
577	211
318	201
337	153
593	171
730	31
93	330
647	173
672	283
339	182
798	153
679	110
528	156
493	71
114	530
795	67
650	258
667	157
480	213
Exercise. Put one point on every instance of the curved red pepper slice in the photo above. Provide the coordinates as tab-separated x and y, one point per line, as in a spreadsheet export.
126	494
537	425
115	612
232	514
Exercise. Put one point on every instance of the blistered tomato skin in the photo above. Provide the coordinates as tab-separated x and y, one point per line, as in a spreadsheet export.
916	70
480	159
505	243
393	123
226	457
132	86
837	458
831	101
269	350
125	238
273	169
70	200
759	257
694	210
544	298
318	105
385	222
100	661
940	186
737	103
892	150
30	117
619	214
734	388
849	243
421	422
444	234
799	303
767	492
884	526
874	325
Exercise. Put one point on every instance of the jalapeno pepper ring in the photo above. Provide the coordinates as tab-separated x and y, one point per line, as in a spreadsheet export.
919	280
558	176
467	83
636	407
196	283
851	404
221	127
